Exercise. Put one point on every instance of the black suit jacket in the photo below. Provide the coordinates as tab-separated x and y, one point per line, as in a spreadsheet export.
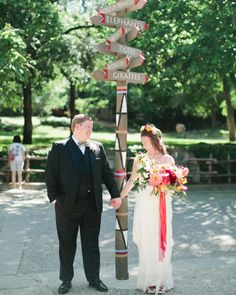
62	173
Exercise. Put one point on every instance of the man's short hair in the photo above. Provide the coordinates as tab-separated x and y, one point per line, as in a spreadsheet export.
79	119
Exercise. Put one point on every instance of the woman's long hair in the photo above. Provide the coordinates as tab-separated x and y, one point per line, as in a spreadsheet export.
155	134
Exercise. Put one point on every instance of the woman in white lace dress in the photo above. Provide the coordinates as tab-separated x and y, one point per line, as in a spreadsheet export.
155	270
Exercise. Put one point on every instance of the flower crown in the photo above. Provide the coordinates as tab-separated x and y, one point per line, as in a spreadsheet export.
152	129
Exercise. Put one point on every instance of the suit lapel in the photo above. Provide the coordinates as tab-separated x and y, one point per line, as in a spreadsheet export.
75	153
93	150
93	160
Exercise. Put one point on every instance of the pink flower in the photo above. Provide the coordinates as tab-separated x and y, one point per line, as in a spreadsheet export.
155	179
183	188
165	179
185	171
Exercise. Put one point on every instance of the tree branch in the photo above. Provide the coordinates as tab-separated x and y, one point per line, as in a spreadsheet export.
77	28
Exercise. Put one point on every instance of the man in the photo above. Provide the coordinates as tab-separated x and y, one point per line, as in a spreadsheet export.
76	169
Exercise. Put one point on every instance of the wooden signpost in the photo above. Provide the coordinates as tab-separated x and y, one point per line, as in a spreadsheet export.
114	16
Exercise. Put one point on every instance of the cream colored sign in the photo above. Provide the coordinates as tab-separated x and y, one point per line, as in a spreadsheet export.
130	77
123	49
116	22
118	6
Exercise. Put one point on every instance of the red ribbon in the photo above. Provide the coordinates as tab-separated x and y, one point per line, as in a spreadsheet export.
162	209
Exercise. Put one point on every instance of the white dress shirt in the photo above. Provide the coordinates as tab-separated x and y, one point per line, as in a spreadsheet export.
82	147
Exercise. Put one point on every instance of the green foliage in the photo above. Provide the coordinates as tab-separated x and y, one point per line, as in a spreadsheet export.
30	45
13	62
56	121
189	46
6	127
53	95
92	106
14	66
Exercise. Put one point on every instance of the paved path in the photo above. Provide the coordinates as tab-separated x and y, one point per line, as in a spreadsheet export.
204	256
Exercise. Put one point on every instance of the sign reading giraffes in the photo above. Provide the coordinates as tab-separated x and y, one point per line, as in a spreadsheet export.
114	16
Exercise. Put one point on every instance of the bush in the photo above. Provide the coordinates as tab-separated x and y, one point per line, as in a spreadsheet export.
8	127
94	107
56	121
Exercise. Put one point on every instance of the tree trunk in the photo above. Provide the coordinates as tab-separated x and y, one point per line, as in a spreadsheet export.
28	127
213	118
71	104
230	110
72	100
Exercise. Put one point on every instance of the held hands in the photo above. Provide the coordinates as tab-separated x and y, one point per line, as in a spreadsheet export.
115	203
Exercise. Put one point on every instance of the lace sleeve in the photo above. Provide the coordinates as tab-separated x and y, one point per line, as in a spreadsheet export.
170	160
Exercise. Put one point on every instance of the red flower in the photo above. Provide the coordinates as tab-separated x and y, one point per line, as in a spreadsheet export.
165	179
172	176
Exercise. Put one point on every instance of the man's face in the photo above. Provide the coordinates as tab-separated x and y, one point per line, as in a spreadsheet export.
84	130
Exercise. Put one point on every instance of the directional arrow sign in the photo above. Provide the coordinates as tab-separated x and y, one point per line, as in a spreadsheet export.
118	6
123	49
136	61
103	49
132	34
117	35
140	4
130	77
126	63
117	22
121	32
119	64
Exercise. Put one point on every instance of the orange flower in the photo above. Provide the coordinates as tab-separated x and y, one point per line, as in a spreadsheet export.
178	188
148	128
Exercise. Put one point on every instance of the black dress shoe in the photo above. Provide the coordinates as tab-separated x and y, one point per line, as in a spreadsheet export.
98	284
64	287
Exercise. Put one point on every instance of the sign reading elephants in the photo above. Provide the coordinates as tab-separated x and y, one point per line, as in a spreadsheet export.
126	29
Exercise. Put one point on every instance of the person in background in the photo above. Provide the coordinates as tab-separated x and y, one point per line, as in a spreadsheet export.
16	157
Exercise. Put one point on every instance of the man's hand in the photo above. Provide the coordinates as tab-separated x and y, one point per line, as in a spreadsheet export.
115	203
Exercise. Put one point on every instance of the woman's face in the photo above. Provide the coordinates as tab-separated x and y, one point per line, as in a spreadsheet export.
147	144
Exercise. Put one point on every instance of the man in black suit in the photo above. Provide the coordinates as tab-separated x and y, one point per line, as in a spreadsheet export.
76	169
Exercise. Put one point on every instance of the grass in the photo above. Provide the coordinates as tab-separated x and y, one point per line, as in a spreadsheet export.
45	135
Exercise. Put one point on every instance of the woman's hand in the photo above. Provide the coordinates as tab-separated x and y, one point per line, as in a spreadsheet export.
122	195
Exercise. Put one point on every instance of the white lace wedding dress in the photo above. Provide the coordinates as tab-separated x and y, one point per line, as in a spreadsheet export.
146	235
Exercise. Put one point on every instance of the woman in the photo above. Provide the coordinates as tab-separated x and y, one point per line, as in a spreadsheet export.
155	270
16	156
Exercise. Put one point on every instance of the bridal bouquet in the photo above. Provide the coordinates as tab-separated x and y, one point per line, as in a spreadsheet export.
161	177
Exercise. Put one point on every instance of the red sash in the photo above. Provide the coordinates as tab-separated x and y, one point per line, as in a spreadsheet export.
162	208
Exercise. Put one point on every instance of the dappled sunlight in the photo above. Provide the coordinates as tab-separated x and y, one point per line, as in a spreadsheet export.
204	224
223	240
105	242
19	200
